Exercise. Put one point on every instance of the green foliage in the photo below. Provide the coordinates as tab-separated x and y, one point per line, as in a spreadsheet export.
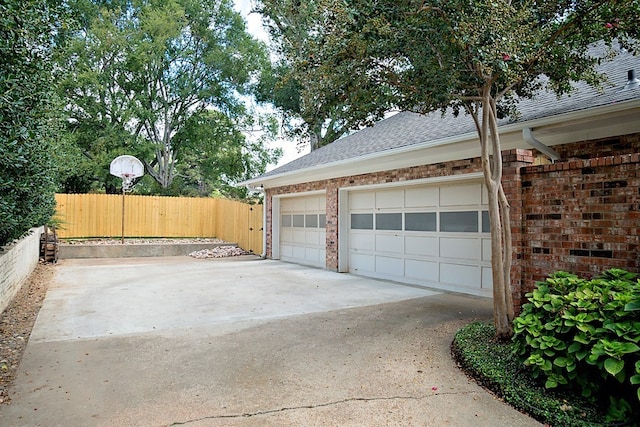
313	112
142	72
580	334
494	365
363	58
28	117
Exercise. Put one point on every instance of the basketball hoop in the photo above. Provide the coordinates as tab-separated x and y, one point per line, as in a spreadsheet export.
128	168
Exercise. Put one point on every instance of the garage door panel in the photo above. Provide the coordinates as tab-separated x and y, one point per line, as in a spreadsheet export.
390	243
362	263
421	245
468	276
362	200
312	238
286	205
421	270
299	252
421	197
298	236
461	195
486	250
389	199
312	254
286	235
485	194
487	278
286	251
361	241
390	266
460	248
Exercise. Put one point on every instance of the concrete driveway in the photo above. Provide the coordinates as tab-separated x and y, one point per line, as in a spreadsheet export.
243	342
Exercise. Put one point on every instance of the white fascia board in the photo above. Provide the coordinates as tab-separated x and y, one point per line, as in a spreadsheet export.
456	147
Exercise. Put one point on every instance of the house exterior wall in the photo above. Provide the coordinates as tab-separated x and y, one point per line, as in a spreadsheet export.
580	215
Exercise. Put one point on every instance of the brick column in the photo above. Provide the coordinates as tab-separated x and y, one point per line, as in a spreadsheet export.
332	228
513	160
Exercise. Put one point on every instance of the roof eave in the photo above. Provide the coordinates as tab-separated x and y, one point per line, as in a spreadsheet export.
463	146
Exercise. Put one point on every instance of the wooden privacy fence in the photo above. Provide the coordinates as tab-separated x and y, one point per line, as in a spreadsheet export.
100	215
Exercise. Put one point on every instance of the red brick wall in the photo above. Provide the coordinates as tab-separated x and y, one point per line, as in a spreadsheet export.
626	144
581	216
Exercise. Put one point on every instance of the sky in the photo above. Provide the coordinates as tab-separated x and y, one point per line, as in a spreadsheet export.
254	26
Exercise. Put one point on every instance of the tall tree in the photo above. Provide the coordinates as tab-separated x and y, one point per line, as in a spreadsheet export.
143	68
472	56
325	118
29	33
218	154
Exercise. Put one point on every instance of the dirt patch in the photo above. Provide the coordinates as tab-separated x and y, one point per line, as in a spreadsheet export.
16	323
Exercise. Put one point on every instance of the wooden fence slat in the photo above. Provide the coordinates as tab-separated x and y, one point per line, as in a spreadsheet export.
100	215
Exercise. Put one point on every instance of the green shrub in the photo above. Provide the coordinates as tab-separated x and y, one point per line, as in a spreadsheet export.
584	335
27	115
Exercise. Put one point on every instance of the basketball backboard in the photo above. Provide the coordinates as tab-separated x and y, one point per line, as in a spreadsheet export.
126	166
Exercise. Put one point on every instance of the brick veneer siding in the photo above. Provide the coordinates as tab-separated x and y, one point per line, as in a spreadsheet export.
626	144
578	215
581	216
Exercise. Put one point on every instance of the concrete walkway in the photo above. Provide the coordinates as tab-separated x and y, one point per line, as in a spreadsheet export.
244	342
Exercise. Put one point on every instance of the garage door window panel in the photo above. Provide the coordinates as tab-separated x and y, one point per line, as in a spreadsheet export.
362	221
286	221
298	221
486	226
420	221
459	222
389	221
311	221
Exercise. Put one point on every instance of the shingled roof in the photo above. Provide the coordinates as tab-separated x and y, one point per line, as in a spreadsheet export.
407	128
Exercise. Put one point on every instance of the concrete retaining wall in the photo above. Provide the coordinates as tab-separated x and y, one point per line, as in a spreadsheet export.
17	261
129	251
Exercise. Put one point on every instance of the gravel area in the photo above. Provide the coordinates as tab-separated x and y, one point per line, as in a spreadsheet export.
16	323
219	252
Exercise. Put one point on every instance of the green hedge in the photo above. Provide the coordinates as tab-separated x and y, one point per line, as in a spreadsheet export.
584	335
27	169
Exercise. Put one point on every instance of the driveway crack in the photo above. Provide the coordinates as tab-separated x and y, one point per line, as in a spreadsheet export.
311	406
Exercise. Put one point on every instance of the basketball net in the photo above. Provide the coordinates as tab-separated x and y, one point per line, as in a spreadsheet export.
127	181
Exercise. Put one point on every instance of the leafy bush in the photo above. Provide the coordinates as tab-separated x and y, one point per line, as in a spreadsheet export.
584	335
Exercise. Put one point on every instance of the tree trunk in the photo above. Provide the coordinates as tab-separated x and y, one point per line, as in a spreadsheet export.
503	312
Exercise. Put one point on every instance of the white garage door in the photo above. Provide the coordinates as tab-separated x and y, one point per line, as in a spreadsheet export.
428	235
303	230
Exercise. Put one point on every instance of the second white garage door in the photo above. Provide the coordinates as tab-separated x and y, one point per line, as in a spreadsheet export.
302	230
428	235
